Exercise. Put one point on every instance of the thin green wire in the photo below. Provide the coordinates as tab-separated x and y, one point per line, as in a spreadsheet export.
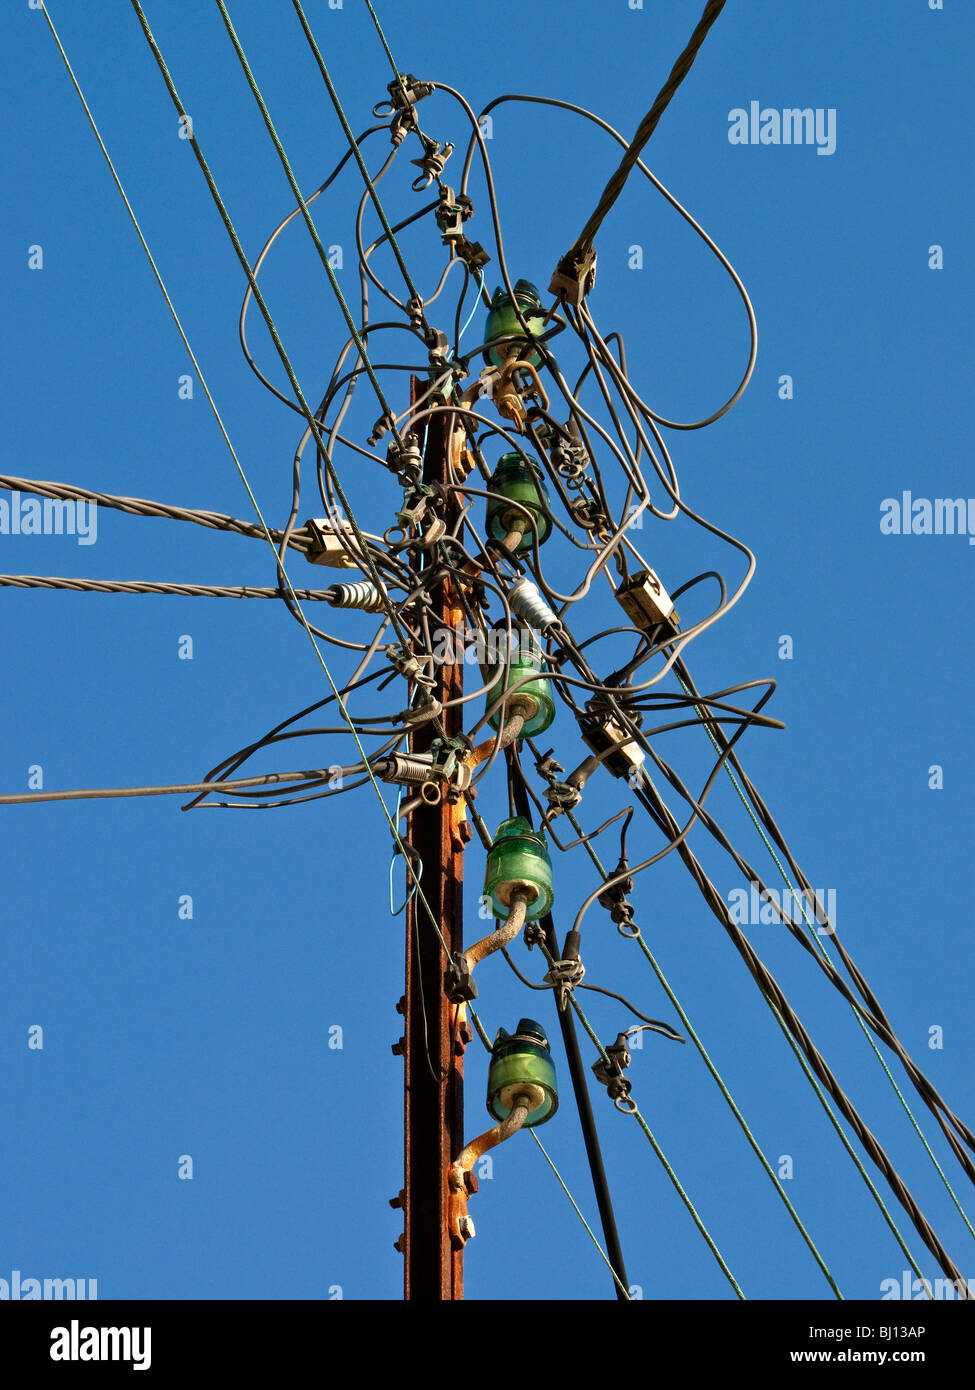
624	1290
382	39
635	1112
822	948
323	254
722	1086
355	149
800	1057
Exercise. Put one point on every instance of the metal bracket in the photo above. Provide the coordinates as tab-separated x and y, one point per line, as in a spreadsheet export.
574	277
458	984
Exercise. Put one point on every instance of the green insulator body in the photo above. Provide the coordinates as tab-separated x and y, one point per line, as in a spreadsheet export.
515	480
502	319
518	859
519	1059
539	690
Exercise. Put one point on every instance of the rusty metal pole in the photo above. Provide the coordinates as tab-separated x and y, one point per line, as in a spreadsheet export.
433	1055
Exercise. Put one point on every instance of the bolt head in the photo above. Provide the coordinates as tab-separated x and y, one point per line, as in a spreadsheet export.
466	1228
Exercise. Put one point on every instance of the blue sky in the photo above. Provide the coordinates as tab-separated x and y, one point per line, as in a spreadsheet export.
210	1037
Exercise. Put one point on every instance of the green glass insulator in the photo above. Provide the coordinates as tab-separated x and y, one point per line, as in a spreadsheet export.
518	858
538	691
522	1058
515	480
502	320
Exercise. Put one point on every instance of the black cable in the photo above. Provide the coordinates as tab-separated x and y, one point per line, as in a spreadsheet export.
580	1088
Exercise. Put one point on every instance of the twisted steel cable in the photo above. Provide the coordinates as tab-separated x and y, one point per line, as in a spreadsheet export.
146	586
143	506
646	128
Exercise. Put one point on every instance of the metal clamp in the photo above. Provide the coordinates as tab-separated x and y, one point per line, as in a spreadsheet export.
410	666
431	163
533	934
571	461
452	212
405	91
416	500
459	985
405	460
447	762
561	797
574	277
610	1074
564	975
472	253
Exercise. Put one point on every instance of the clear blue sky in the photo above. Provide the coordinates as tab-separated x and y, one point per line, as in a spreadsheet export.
210	1037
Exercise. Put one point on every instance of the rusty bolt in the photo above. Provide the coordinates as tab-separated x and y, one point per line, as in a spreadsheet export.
399	1199
470	1181
401	1004
399	1243
399	1047
466	1228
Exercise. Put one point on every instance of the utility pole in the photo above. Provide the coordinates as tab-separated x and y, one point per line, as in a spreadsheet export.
433	1049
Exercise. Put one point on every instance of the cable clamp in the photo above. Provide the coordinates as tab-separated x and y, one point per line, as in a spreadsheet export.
452	212
431	163
410	666
405	91
614	899
574	277
383	425
588	514
458	985
472	253
571	460
611	1075
564	975
416	500
439	358
533	934
448	764
405	460
547	767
